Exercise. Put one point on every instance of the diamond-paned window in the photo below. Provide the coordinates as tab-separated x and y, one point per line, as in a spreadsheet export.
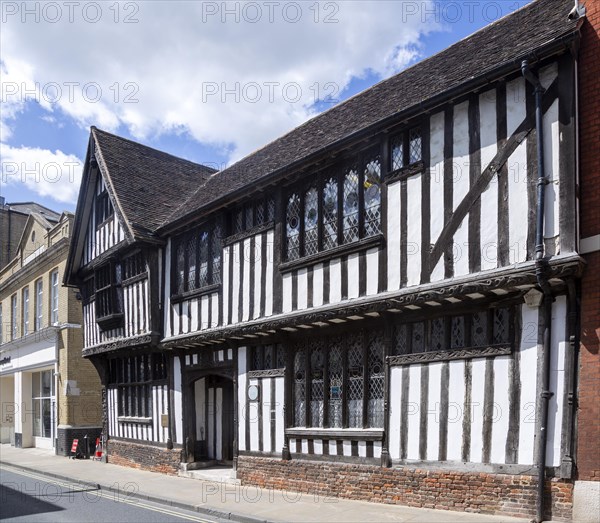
397	152
330	214
355	381
418	337
238	221
415	146
196	258
437	334
457	336
501	325
293	227
317	385
335	384
350	206
299	388
479	336
401	339
270	209
311	222
192	254
372	196
260	214
375	374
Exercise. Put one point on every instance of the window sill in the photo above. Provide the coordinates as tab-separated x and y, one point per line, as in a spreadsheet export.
134	419
341	250
405	172
341	434
209	289
248	233
110	321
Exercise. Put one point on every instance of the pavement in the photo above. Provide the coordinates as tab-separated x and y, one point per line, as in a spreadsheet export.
221	499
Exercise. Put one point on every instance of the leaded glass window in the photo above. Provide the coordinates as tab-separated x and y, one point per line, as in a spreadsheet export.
335	383
372	195
415	145
311	221
401	339
293	227
197	259
479	329
355	381
375	375
437	334
418	337
501	325
350	206
317	386
203	276
191	253
457	336
397	151
299	388
330	214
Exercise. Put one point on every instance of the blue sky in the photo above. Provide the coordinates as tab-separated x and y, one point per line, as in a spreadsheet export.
208	82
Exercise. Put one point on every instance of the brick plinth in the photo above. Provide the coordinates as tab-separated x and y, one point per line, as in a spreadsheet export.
482	493
145	457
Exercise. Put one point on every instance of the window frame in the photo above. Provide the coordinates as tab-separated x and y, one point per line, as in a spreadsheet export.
104	208
13	317
134	396
365	337
39	304
108	298
337	172
214	278
25	311
408	167
54	297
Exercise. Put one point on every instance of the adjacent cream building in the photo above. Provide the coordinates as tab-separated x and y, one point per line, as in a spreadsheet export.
48	393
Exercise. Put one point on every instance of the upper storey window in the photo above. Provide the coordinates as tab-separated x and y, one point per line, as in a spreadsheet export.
104	208
252	214
340	208
406	149
109	295
197	259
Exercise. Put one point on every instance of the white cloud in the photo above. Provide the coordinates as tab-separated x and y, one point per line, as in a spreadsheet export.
49	174
205	67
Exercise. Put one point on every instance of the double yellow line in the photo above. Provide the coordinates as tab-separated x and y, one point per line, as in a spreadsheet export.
111	496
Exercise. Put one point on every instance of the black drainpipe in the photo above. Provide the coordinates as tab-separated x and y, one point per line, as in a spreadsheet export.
540	272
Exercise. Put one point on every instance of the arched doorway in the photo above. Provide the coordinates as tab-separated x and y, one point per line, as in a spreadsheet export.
212	418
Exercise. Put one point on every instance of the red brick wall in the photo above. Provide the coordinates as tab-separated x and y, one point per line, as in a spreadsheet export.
145	457
480	493
588	457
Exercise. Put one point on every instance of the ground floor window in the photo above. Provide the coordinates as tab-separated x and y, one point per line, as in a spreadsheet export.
339	381
133	378
42	395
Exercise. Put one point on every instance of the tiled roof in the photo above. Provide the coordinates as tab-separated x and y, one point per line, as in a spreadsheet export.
148	184
504	42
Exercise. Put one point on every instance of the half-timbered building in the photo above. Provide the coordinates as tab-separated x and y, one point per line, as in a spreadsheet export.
380	304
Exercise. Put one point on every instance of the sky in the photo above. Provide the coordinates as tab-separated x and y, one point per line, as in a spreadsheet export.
207	81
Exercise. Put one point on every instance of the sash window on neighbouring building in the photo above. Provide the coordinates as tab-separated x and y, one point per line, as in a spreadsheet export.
54	297
133	378
339	381
25	315
39	304
1	325
13	317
